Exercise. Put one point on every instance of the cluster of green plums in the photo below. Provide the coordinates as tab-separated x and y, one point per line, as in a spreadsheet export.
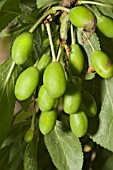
76	103
49	79
82	17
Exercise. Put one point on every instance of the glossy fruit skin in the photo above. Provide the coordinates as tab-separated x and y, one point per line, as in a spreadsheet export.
47	121
72	98
79	123
102	64
29	135
22	48
26	83
43	62
54	80
105	25
76	60
88	104
45	102
81	16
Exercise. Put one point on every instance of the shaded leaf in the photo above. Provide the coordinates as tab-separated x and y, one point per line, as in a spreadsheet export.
37	50
7	98
104	136
106	44
85	42
108	164
64	148
4	157
43	157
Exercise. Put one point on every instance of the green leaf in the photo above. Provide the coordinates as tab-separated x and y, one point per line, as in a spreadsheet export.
108	11
85	42
30	156
104	136
64	148
7	98
42	3
89	76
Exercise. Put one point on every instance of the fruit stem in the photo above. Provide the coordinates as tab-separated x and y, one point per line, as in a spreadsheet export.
89	42
59	52
72	35
35	65
51	42
51	11
33	118
93	3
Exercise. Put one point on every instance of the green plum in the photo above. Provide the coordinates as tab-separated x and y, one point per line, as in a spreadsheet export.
54	80
47	121
79	123
22	48
102	64
26	83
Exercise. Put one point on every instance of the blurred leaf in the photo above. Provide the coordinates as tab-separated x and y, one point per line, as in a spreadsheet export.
41	3
4	158
26	104
7	98
108	164
101	157
22	115
64	148
30	155
8	12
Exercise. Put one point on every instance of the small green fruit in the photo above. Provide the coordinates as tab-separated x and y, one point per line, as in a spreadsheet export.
22	47
102	64
45	102
26	83
76	60
81	16
105	25
88	104
79	123
54	80
47	121
29	135
43	62
71	98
